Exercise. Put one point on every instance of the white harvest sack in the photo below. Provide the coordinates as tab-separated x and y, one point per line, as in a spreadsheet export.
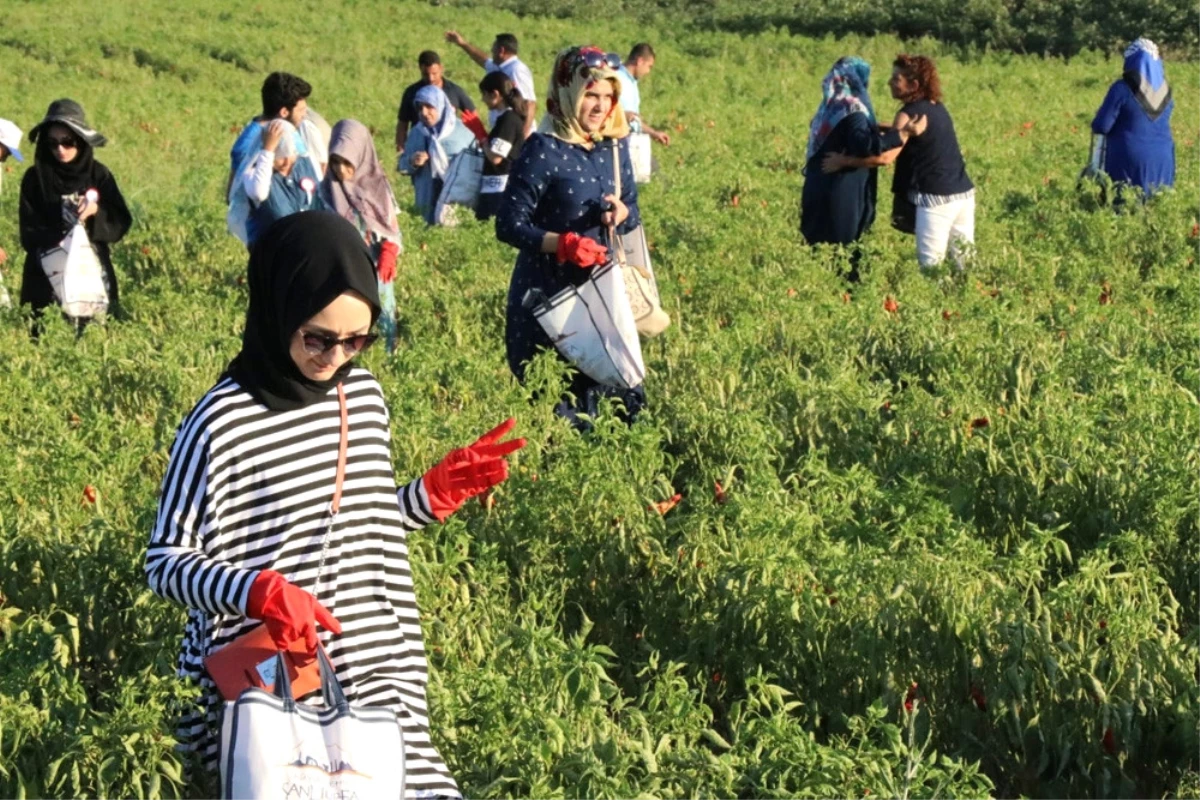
460	187
76	275
274	747
639	156
592	326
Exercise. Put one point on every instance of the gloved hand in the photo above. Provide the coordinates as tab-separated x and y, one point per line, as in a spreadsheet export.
288	611
388	250
471	120
470	470
580	250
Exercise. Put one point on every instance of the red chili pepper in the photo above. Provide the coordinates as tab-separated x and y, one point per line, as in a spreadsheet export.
89	494
719	493
1110	742
890	305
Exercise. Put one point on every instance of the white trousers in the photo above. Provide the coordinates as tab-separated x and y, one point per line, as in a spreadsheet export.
938	227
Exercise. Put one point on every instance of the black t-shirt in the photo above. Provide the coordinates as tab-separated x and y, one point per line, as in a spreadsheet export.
932	163
505	140
454	93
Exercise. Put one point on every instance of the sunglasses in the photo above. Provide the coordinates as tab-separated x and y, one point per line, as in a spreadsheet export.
316	344
69	143
595	58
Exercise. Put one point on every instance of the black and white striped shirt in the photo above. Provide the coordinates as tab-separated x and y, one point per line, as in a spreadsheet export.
248	489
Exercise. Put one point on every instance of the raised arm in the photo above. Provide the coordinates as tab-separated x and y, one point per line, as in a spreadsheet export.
477	55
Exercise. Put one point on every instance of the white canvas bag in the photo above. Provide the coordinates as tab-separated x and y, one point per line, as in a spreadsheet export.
639	156
273	747
461	186
592	326
76	275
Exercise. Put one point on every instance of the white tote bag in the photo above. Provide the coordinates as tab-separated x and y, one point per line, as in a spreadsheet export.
464	177
592	326
639	156
273	747
76	275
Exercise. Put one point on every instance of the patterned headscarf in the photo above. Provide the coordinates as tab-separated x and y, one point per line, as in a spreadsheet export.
369	194
843	92
569	81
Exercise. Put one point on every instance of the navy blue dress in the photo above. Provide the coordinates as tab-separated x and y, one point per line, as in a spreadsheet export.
838	208
557	187
1140	149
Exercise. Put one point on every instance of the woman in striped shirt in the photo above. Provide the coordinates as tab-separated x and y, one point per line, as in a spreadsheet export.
242	534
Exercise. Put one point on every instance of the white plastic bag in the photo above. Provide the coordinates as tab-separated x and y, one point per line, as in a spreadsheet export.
461	186
639	156
76	275
274	747
592	326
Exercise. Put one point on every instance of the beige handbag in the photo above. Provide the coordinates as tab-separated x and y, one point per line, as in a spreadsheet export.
633	255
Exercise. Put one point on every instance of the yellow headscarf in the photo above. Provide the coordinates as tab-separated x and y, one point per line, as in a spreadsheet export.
575	69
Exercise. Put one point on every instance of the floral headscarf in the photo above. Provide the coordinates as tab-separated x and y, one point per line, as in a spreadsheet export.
569	80
843	92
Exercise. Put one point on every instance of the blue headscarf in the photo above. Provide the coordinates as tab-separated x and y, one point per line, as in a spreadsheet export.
431	95
843	92
1145	76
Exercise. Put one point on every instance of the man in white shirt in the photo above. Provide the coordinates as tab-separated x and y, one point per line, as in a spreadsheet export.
504	59
636	67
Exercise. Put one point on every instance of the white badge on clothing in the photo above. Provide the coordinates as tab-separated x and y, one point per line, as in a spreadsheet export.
491	184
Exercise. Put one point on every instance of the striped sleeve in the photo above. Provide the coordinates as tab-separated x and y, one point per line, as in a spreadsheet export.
177	567
415	512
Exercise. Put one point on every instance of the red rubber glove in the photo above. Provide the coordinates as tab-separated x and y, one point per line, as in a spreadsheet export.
471	120
580	250
388	251
289	612
468	471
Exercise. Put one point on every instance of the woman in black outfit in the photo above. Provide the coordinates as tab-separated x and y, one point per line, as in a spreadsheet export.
67	185
503	143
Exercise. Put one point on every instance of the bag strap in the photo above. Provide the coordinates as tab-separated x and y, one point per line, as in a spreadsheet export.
336	503
613	238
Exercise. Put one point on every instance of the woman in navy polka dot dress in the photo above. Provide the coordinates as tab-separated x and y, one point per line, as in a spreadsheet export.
561	196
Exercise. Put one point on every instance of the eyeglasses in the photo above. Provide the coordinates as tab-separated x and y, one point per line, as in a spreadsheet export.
316	344
595	58
69	143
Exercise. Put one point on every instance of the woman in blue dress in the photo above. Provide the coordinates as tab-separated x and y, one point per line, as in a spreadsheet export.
432	143
561	196
1135	121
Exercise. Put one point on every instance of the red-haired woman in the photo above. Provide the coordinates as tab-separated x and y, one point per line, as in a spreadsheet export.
930	172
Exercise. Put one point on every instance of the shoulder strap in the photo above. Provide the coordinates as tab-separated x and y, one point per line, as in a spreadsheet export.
613	238
336	503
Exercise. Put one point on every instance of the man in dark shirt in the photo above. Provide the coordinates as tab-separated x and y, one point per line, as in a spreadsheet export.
431	75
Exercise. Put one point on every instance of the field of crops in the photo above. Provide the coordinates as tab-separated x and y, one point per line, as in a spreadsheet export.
989	491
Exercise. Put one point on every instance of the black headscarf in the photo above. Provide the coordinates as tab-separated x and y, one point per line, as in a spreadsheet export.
57	179
301	264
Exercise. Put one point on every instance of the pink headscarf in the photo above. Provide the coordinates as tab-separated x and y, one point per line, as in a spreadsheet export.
369	193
